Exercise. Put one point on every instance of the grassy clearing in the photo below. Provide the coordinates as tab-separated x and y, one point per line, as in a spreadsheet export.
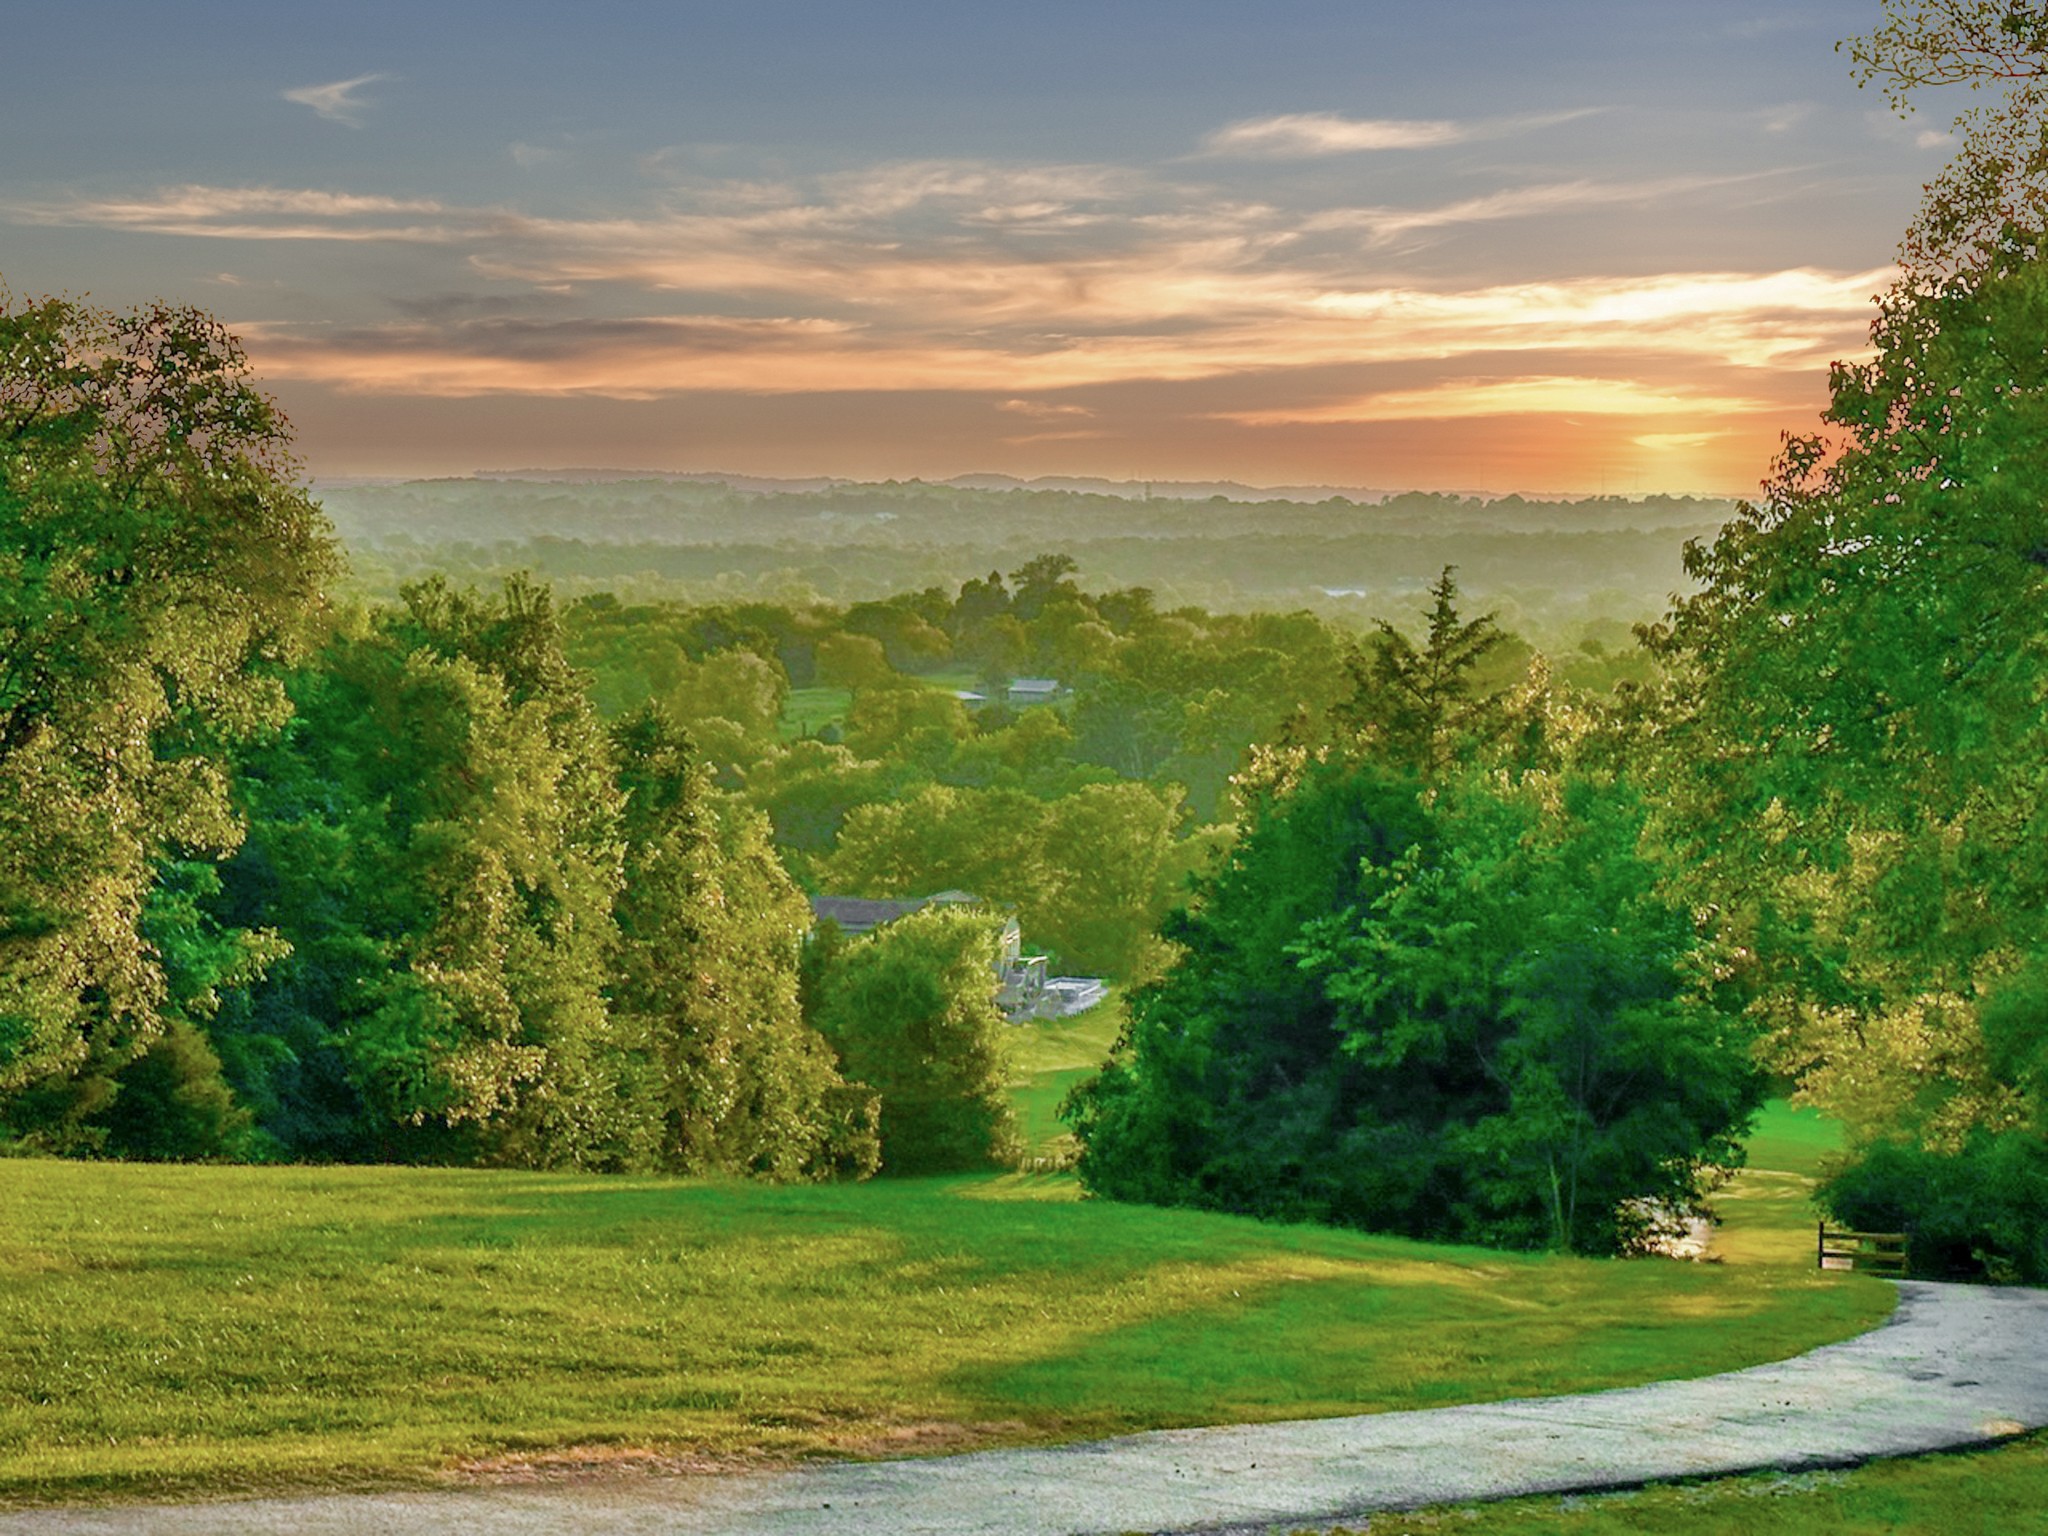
1789	1140
1767	1210
809	710
2000	1492
1048	1057
169	1330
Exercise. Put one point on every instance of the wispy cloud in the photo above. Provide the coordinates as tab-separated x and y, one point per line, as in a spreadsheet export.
1712	321
1382	225
1044	410
1744	319
1669	441
1784	118
1909	127
336	101
248	213
1303	135
1015	281
1456	399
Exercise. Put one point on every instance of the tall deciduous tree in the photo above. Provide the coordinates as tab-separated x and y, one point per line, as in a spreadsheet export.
437	837
1856	745
1999	176
158	567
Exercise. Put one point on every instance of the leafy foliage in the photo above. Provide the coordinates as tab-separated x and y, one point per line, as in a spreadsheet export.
157	566
1418	706
1998	179
1855	741
1086	872
911	1010
1518	986
435	835
706	977
1463	1015
514	936
1978	1210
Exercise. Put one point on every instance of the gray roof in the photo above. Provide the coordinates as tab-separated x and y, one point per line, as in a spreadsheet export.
856	915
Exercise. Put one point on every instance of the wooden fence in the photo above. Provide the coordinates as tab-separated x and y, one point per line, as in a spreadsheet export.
1878	1253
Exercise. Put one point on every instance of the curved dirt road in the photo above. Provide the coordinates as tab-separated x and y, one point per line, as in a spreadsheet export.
1956	1365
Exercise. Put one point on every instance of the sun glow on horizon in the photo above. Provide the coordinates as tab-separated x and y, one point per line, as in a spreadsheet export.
1441	282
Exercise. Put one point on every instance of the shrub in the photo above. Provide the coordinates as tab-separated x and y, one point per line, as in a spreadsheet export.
1979	1212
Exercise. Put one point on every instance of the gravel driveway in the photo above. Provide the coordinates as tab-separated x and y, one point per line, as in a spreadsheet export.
1955	1366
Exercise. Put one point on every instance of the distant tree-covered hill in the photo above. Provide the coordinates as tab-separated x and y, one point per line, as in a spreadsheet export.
1549	565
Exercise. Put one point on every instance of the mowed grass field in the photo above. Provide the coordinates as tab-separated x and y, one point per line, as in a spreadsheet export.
809	710
1999	1492
1048	1057
168	1330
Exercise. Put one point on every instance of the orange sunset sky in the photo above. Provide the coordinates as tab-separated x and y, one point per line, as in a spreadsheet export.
1568	248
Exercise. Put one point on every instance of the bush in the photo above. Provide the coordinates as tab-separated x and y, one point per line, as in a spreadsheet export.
172	1106
911	1010
1978	1213
1465	1015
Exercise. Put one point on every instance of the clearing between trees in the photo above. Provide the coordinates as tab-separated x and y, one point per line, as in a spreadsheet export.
175	1331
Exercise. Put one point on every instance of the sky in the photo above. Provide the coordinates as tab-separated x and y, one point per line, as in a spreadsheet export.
1579	247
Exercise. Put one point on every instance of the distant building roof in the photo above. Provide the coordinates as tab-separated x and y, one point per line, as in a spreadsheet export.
857	915
1034	685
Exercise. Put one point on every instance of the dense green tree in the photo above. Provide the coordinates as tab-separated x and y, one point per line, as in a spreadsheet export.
853	661
1114	870
1435	988
1465	1015
705	978
1228	1089
1524	977
172	1101
1090	874
435	835
808	790
1128	724
907	627
907	721
991	843
158	566
911	1010
1042	580
1853	742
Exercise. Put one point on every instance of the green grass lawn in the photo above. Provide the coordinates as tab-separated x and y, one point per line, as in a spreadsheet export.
1997	1492
170	1329
807	710
1789	1140
1048	1057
